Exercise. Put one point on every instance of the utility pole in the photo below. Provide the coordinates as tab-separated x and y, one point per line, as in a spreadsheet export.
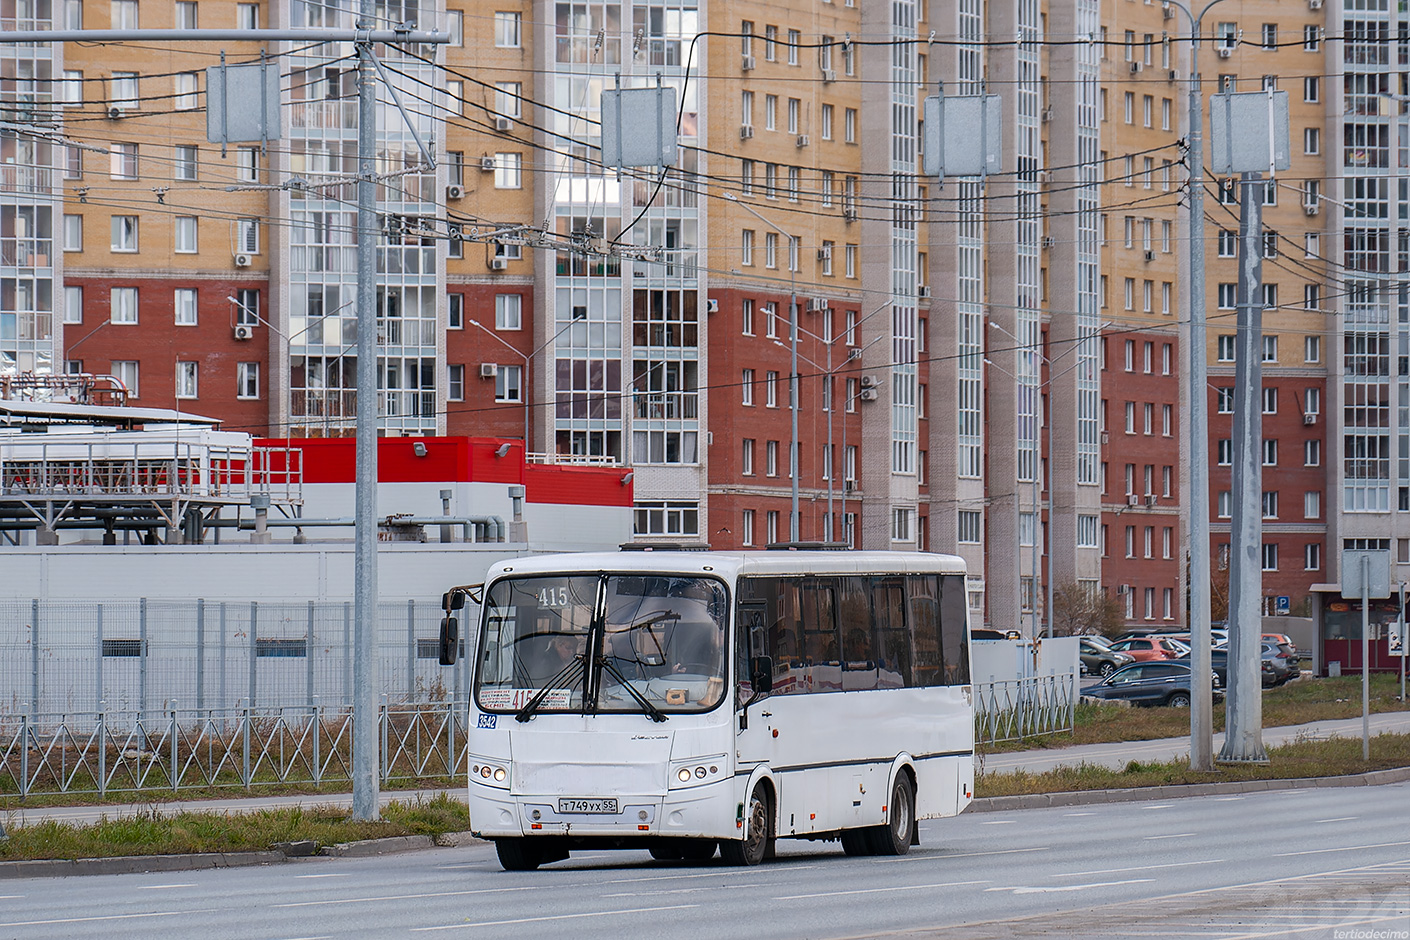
1243	734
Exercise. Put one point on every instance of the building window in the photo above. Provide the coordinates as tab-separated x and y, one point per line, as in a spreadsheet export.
186	97
901	525
667	518
1312	453
1224	398
122	161
1311	140
1086	531
186	379
746	457
770	112
746	527
455	383
827	122
247	236
1270	401
746	387
1224	504
125	371
124	233
455	311
507	383
1312	504
184	162
184	304
1224	452
508	171
771	526
1270	556
125	88
185	234
1270	504
506	30
247	307
247	164
1270	452
247	380
770	251
1270	348
1226	348
1312	349
849	125
247	15
508	311
73	232
771	458
746	310
73	304
771	389
746	247
124	305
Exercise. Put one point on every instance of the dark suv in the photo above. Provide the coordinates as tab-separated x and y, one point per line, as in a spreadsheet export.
1150	683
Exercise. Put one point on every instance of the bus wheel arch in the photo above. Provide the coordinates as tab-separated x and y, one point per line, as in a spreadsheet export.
758	824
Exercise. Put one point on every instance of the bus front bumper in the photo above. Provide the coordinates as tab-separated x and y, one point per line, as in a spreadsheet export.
704	811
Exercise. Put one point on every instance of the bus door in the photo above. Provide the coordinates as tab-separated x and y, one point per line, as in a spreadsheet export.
753	668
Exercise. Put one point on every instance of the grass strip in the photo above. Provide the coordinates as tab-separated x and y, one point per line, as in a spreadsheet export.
156	833
1332	757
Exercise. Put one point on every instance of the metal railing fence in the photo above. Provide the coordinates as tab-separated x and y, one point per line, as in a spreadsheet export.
1007	710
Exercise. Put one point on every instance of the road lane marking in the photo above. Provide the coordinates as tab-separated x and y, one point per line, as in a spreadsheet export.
1349	848
410	897
535	920
945	858
1116	871
1159	806
1338	819
1225	799
1173	835
838	894
161	887
331	874
1078	814
87	920
1028	889
999	822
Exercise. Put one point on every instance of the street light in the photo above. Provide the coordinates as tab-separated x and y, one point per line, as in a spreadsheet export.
1201	714
525	389
795	250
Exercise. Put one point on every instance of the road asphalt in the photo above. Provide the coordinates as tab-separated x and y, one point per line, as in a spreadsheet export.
1115	755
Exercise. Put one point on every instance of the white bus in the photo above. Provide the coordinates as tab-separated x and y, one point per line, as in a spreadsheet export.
681	701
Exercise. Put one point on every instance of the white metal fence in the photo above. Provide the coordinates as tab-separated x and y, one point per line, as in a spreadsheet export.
1010	709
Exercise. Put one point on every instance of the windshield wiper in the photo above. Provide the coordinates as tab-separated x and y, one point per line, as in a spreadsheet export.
532	705
652	712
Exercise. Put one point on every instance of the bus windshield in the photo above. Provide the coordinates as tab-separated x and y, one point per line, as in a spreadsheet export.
654	643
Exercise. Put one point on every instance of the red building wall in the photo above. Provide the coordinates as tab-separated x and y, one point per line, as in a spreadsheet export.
479	414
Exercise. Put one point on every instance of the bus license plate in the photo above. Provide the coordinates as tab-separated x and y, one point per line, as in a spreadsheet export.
587	806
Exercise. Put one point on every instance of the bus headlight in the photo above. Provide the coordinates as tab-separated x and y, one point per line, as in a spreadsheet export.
488	773
699	771
499	774
683	775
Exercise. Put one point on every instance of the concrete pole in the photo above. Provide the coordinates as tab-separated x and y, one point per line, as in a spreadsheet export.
1243	734
1366	656
365	739
795	252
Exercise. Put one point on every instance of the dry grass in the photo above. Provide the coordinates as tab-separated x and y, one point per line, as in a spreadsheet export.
157	833
1330	758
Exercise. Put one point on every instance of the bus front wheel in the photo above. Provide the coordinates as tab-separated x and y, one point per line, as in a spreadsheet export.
756	844
518	854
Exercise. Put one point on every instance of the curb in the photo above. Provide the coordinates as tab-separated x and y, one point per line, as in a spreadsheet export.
370	847
130	864
998	804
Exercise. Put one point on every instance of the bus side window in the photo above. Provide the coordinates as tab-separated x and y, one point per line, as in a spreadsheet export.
954	609
892	649
928	666
819	623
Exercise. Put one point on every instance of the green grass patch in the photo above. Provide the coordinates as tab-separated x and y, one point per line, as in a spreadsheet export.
153	832
1298	702
1333	757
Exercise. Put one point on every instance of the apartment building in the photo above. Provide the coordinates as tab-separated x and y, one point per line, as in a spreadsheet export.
989	367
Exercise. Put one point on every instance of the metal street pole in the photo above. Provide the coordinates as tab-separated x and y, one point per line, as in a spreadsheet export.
1243	730
1197	543
1366	656
365	712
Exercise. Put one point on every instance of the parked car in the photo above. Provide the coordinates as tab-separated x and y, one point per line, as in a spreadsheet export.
1145	649
1279	664
1098	658
1218	663
1150	683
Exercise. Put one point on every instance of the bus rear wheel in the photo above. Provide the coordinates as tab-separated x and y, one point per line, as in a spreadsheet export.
756	844
855	842
894	838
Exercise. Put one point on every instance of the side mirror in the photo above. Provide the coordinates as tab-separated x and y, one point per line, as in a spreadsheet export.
450	641
452	600
761	674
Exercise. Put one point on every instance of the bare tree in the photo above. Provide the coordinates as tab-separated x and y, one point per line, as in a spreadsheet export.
1080	609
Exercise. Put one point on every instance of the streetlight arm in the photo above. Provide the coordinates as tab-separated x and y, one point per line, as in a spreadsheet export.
488	332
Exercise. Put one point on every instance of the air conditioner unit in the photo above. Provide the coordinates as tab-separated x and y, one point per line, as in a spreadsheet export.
244	332
1314	4
870	381
1122	588
712	305
1166	11
824	254
746	131
802	140
849	485
1048	241
1311	206
488	370
1132	499
748	63
1150	500
1047	115
849	215
1174	75
1225	51
1135	67
503	124
1106	437
923	291
829	76
114	113
454	192
487	164
868	394
817	304
499	264
243	261
1149	255
1309	419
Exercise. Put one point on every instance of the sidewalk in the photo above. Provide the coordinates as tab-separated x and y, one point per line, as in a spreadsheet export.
1114	755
